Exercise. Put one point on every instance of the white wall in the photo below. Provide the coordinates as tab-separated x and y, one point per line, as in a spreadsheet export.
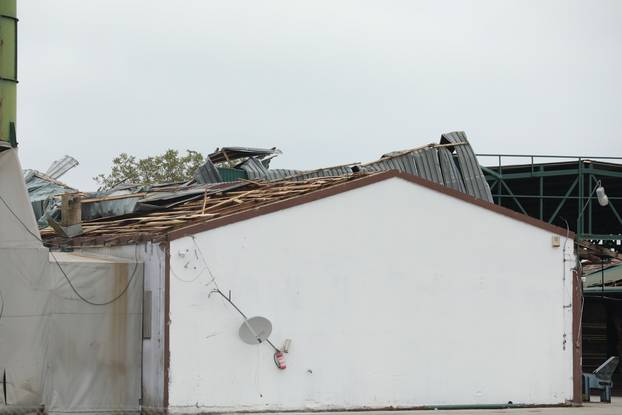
392	294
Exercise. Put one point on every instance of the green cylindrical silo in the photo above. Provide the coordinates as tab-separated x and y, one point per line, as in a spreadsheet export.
8	68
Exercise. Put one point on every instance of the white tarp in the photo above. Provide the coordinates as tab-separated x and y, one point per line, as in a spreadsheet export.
55	348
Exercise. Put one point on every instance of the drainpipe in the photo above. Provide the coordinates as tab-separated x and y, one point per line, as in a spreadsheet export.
8	72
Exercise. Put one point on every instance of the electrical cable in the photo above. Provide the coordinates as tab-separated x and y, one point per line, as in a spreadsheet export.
198	248
196	277
217	290
277	351
105	303
184	280
73	288
37	237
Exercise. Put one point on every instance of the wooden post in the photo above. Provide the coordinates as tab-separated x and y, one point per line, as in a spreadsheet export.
71	209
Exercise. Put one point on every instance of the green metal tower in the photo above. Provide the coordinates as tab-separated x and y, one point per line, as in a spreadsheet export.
8	70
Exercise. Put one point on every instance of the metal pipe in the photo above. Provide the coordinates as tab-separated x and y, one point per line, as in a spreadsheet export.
8	69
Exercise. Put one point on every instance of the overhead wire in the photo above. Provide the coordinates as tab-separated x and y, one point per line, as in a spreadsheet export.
105	303
211	274
218	290
73	288
37	237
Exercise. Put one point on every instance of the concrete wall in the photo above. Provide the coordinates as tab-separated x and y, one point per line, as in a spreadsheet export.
393	295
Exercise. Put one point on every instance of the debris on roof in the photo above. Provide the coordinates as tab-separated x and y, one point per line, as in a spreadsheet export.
230	154
234	178
60	167
435	162
43	187
201	203
207	173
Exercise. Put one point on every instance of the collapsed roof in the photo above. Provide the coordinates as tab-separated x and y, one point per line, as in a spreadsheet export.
244	200
235	178
451	163
44	187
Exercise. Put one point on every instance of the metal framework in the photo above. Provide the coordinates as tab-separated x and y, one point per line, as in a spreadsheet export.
560	190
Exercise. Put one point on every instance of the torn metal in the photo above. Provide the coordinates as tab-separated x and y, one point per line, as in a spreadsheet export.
451	163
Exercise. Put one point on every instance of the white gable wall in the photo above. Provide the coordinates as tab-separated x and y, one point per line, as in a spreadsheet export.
393	295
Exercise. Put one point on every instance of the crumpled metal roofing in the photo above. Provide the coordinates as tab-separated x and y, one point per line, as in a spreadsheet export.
213	202
207	173
41	190
62	166
235	153
434	162
473	177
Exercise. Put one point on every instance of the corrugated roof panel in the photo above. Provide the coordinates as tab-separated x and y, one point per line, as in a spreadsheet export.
62	166
472	175
207	173
430	156
403	163
451	174
254	168
427	166
277	174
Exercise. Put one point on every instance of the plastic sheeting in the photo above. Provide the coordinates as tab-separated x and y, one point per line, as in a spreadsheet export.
55	348
14	196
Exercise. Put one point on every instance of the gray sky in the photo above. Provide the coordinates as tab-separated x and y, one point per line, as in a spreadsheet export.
328	82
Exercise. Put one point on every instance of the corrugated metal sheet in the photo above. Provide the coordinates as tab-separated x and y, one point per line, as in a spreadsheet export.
41	191
428	165
451	174
229	174
404	163
60	167
108	208
207	173
434	162
327	172
235	153
472	175
253	168
421	162
279	174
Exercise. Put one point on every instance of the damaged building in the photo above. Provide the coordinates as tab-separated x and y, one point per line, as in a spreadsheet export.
396	283
341	265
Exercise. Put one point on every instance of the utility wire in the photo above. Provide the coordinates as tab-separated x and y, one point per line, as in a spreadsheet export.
217	290
198	248
86	300
37	237
73	288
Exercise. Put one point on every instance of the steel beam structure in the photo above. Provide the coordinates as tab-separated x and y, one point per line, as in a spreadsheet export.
559	190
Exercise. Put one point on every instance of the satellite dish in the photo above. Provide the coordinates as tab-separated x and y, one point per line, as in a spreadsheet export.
255	330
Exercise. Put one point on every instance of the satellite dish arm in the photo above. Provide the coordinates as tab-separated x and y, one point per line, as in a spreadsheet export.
217	290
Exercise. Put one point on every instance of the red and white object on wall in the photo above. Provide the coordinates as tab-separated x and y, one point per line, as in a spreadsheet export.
279	360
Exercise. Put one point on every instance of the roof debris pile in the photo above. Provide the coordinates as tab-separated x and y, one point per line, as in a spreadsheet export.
238	178
44	187
452	163
202	204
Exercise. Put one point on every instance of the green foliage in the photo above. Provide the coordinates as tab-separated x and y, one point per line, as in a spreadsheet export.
168	167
